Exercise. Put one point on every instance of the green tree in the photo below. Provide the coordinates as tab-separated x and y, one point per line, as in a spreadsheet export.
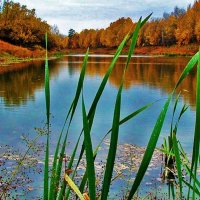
71	32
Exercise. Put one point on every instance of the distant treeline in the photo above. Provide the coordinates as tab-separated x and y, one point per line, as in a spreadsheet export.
180	27
21	26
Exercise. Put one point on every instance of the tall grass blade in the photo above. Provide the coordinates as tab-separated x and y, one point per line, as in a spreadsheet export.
47	87
125	119
70	165
116	121
178	163
173	114
172	189
46	171
187	69
133	114
196	142
80	85
47	97
183	154
183	110
105	79
157	129
133	42
150	149
100	90
142	24
83	182
74	187
92	109
145	20
57	168
191	174
113	147
89	154
194	189
63	186
55	175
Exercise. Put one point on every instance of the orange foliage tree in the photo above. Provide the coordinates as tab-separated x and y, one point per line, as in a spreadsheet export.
21	26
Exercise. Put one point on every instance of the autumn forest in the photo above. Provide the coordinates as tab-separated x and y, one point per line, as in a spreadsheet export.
21	26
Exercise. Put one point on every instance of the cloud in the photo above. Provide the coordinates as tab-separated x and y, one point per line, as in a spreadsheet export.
81	14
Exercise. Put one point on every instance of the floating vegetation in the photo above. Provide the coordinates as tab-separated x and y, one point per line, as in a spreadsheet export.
15	173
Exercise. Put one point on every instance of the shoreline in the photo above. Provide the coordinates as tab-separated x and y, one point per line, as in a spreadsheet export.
172	51
175	50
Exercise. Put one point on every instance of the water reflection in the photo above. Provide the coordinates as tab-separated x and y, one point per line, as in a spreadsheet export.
156	72
146	78
19	82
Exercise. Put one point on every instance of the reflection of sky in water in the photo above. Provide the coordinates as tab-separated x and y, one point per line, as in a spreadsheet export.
23	107
22	101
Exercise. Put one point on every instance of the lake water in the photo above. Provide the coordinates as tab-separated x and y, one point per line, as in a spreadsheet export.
22	100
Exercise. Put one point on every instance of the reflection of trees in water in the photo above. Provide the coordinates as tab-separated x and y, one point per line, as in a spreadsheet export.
19	82
158	72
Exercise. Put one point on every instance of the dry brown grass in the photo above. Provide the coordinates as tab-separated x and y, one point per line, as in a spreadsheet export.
7	49
172	50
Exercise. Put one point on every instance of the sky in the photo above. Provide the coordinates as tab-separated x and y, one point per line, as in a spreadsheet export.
87	14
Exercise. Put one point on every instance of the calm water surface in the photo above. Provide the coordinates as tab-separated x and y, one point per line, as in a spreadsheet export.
22	101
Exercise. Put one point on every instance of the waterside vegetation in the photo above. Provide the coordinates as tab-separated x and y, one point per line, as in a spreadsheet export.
176	33
61	183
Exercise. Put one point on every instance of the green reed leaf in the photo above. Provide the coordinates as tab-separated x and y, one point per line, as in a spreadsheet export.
100	90
89	154
178	163
125	119
196	142
157	129
112	148
47	97
150	149
57	167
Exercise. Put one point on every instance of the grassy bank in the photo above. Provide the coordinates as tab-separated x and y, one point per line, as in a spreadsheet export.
175	50
11	54
14	54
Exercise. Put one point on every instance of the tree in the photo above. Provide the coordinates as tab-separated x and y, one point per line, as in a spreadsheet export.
74	41
20	25
169	27
178	11
153	33
166	15
2	2
71	32
55	29
185	28
196	8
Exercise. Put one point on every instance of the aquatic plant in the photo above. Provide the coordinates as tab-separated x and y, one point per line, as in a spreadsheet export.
60	183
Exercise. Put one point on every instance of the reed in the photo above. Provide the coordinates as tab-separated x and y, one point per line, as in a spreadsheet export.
61	183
